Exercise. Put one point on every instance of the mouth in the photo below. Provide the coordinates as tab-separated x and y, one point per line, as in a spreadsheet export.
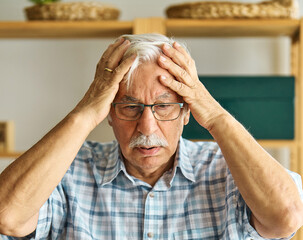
148	151
147	148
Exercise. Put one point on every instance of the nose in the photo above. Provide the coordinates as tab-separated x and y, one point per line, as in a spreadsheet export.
147	123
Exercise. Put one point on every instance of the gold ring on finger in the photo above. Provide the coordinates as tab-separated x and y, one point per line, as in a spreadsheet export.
108	70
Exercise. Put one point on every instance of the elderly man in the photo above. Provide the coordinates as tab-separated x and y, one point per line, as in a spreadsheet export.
150	183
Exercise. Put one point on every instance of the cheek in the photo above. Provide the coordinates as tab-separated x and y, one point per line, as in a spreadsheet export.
173	131
123	131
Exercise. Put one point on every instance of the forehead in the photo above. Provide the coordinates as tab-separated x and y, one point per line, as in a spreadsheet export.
145	85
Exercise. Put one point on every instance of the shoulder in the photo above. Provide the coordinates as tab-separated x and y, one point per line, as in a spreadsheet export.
201	151
93	155
91	149
206	159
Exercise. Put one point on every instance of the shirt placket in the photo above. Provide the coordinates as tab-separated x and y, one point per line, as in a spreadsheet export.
150	217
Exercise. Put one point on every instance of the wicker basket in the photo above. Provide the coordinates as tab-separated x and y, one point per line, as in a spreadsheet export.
72	11
213	10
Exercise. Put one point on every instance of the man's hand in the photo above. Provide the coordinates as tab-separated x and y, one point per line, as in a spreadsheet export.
96	102
266	187
205	109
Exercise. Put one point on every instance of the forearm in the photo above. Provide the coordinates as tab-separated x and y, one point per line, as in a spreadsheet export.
266	187
28	182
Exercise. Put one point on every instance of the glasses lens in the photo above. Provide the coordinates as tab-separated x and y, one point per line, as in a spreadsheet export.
161	111
128	111
167	111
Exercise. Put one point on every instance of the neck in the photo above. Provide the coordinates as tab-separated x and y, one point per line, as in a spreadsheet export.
149	175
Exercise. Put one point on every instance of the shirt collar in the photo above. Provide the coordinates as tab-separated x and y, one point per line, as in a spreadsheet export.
105	164
183	161
114	165
182	169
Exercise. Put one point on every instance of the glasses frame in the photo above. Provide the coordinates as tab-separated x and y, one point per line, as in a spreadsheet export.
151	108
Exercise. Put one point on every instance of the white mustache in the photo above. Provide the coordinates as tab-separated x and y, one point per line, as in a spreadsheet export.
147	141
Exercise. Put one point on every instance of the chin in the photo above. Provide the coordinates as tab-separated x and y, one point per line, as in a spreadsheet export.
150	162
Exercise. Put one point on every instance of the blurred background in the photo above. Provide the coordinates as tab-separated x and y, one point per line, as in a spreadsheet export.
41	80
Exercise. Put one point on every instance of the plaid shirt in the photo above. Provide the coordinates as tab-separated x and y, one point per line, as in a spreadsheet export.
98	199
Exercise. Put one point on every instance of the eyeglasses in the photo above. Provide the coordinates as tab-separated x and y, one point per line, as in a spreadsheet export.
161	111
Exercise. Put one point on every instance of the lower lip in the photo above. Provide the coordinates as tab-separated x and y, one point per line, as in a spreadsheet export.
149	152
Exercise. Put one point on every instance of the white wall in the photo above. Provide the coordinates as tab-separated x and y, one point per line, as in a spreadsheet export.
42	80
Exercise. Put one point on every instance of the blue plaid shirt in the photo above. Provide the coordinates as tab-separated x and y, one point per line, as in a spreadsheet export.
98	199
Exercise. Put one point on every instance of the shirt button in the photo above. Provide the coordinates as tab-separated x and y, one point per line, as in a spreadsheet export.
150	235
152	195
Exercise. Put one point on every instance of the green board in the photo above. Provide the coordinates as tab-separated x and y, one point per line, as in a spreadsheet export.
263	104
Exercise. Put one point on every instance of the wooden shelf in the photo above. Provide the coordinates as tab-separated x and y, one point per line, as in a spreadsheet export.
278	143
10	154
232	28
51	29
174	27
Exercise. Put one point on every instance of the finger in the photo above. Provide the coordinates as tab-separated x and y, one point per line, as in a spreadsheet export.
108	63
112	56
178	87
122	69
176	56
112	47
178	47
179	73
113	60
180	56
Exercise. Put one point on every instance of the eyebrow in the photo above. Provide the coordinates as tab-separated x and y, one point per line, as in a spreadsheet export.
164	95
127	98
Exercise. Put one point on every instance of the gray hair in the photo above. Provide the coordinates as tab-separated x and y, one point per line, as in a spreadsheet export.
147	47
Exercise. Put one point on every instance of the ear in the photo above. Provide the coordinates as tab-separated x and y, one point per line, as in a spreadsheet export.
186	117
109	119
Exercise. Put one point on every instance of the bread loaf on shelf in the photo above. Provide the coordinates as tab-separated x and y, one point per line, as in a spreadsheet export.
72	11
225	9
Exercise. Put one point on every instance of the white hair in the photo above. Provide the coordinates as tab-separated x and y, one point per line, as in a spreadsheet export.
147	47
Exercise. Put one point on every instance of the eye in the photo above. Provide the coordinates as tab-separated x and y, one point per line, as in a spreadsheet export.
162	107
131	107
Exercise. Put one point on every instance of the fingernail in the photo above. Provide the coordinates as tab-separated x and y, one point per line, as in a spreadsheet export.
119	40
126	42
162	77
177	44
162	59
166	47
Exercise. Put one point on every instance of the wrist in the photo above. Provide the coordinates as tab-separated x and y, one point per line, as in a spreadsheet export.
220	123
83	120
